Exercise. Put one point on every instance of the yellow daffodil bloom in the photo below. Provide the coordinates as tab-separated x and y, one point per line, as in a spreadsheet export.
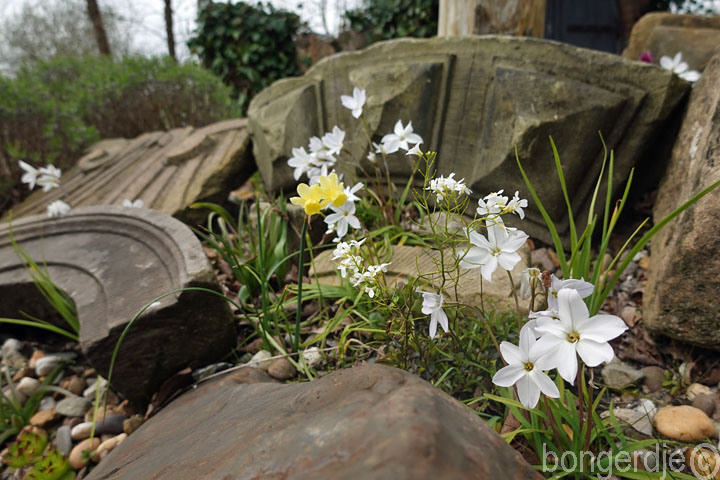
311	198
333	190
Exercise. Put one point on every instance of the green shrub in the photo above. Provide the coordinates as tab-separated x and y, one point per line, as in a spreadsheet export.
248	46
50	112
386	19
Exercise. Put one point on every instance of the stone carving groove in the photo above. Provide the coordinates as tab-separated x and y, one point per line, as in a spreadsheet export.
112	261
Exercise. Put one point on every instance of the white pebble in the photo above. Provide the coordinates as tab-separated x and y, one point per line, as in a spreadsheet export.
312	356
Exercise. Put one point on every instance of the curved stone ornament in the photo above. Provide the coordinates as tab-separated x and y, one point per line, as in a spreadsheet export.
473	99
112	261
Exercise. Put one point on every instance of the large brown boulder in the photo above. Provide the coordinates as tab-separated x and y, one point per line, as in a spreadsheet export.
473	100
696	36
682	298
364	423
113	261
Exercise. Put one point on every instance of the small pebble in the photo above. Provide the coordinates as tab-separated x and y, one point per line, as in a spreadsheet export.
28	386
23	372
12	353
37	355
81	431
47	364
261	360
89	392
696	389
17	395
654	378
113	425
47	403
133	423
312	357
110	443
73	406
684	423
76	458
74	384
282	369
618	375
73	421
63	440
44	417
11	345
705	402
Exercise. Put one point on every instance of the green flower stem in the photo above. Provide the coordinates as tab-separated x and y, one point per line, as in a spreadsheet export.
517	304
301	268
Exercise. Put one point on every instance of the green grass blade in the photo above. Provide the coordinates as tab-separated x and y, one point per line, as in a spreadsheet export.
563	186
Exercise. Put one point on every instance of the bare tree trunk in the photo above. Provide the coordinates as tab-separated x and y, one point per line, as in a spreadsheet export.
96	19
169	29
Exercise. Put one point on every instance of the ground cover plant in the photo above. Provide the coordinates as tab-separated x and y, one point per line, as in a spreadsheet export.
528	370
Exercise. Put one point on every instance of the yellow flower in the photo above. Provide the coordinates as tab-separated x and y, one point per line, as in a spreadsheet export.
311	198
333	190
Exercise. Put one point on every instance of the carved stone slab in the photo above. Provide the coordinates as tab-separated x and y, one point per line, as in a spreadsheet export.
113	261
682	298
413	262
473	99
169	171
362	423
696	36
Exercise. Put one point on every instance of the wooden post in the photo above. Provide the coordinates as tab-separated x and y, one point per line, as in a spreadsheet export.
459	18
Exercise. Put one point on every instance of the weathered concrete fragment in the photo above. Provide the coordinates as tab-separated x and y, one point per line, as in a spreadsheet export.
696	36
168	171
112	261
368	422
473	100
682	297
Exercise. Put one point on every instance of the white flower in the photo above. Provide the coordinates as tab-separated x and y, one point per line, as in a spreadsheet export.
301	161
342	217
516	205
500	248
445	188
49	177
676	65
400	138
133	204
577	334
432	305
354	103
525	365
415	150
58	208
30	175
584	289
529	281
350	192
333	141
315	173
492	204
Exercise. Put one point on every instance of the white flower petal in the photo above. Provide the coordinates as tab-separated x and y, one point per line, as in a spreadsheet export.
543	382
528	392
512	354
594	353
601	328
508	376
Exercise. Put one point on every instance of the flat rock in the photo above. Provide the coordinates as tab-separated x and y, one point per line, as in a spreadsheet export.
73	406
112	261
681	297
473	100
684	423
619	375
367	422
411	262
662	33
168	171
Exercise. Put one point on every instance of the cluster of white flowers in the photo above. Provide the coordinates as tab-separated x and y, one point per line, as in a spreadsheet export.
555	343
322	156
677	66
495	204
47	177
432	305
447	188
352	265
